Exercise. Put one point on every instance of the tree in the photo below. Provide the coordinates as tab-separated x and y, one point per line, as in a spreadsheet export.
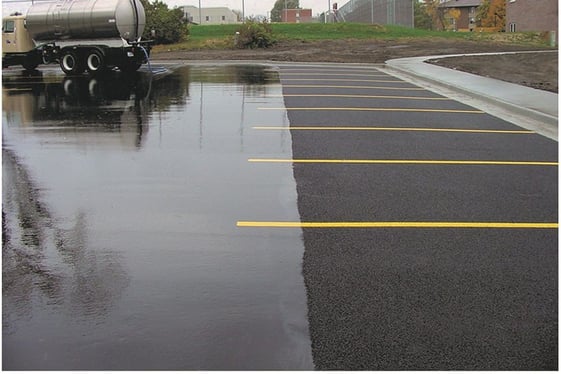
423	20
168	24
436	14
453	13
276	12
491	13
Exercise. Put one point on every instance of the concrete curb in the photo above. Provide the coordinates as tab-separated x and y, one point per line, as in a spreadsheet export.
529	108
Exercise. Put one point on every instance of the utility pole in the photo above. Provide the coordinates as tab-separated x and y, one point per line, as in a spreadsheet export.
200	16
243	11
412	14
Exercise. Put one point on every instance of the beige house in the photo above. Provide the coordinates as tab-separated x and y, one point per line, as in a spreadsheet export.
209	16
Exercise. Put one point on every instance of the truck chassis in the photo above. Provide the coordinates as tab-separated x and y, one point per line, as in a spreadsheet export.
76	58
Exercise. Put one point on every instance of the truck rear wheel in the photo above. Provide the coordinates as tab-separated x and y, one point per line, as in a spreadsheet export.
95	62
70	63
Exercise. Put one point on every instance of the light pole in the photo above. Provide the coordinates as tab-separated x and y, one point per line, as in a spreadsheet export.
285	12
200	16
412	14
243	11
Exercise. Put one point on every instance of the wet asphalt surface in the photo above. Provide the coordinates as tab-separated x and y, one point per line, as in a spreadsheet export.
144	225
120	202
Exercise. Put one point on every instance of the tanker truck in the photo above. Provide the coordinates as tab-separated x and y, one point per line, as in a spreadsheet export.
79	35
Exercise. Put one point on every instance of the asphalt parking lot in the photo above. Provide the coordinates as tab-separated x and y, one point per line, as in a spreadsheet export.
430	227
272	217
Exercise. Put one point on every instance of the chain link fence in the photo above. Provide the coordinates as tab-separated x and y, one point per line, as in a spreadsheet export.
384	12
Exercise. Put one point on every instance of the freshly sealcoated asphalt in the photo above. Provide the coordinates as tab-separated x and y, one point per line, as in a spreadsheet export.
420	298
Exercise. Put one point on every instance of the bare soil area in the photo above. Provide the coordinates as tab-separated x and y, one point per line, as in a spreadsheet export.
537	70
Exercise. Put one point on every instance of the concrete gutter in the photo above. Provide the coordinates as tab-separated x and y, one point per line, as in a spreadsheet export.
526	107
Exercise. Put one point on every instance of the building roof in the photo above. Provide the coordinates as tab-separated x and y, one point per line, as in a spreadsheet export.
222	8
460	3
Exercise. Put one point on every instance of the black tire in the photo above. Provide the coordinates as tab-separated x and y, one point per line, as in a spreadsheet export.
48	57
30	63
95	62
70	63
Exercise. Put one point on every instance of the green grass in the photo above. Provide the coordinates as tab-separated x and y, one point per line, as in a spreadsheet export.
221	36
322	31
212	31
319	31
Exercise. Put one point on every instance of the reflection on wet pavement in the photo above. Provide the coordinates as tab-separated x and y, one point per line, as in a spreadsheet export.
120	197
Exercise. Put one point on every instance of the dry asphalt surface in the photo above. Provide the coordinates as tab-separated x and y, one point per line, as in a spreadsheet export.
409	296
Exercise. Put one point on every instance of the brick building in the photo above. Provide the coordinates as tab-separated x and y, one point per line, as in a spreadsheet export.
296	15
531	15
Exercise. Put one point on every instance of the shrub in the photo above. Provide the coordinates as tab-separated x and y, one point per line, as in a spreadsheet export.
254	34
168	24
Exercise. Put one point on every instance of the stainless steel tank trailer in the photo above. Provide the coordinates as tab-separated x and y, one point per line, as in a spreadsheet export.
80	35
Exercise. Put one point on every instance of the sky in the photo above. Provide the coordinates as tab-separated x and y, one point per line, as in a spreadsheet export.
251	7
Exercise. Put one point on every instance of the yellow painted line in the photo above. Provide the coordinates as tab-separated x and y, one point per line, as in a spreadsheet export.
352	87
403	162
322	70
365	96
469	225
378	109
343	80
283	73
350	128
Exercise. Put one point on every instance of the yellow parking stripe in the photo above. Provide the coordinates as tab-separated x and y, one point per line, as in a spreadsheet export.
365	96
352	128
324	70
352	87
343	80
403	162
283	73
470	111
471	225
